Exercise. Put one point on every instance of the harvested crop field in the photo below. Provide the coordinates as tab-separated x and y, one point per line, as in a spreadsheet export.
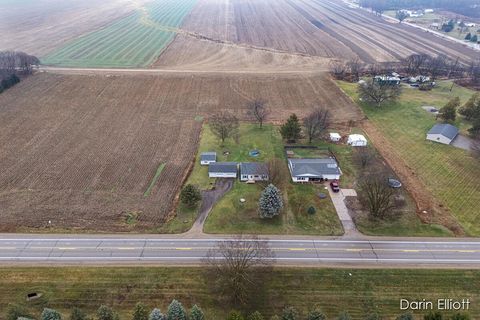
315	28
83	151
40	26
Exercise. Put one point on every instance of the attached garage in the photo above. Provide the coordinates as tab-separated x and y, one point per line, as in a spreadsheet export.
222	170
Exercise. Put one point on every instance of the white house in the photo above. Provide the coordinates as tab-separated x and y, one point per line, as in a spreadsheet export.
253	171
208	157
442	133
314	170
428	10
222	170
357	140
335	137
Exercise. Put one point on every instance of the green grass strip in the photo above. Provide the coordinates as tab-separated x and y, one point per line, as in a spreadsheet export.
154	180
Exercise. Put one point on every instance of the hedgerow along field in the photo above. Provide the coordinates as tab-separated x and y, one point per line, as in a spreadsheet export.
134	41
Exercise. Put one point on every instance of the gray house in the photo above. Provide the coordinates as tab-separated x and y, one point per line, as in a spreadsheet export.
253	171
222	170
208	157
312	170
442	133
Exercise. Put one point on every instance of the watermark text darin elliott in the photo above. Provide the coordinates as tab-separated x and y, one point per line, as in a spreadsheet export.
440	304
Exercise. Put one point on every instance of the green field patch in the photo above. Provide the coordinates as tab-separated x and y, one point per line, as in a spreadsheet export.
133	41
154	179
452	175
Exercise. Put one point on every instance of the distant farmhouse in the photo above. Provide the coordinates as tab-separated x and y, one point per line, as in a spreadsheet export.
387	80
314	170
208	157
442	133
253	171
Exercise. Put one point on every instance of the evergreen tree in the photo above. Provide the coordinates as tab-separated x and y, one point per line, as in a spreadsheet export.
475	129
176	311
105	313
15	311
196	313
449	111
78	314
471	109
156	314
291	129
344	316
311	210
468	36
140	312
316	315
474	38
405	316
234	315
289	313
433	316
271	202
50	314
255	316
190	195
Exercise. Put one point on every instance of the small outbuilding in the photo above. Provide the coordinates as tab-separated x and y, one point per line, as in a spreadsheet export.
335	137
442	133
253	171
223	170
357	140
208	157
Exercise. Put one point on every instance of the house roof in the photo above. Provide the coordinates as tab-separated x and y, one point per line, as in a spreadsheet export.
445	129
208	156
225	167
313	167
335	135
356	137
259	168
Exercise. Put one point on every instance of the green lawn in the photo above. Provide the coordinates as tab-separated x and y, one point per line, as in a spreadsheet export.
360	291
134	41
229	215
451	174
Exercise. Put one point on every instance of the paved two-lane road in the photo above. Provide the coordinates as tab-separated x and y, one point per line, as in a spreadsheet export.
135	250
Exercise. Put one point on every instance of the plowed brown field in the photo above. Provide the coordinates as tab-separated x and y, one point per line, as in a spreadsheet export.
81	150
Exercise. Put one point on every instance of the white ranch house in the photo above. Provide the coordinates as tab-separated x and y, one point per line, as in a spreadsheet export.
253	171
314	170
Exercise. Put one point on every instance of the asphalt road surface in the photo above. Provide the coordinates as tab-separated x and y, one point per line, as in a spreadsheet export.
132	250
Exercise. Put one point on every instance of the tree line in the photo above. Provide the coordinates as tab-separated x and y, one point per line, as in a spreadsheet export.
13	63
463	7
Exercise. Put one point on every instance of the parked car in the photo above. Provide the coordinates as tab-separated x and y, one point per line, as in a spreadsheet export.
394	183
334	186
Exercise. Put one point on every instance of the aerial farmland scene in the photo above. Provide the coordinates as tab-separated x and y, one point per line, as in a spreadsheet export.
239	159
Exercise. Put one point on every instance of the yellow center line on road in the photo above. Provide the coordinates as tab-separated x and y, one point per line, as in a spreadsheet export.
411	250
469	251
66	248
183	248
355	250
127	248
297	249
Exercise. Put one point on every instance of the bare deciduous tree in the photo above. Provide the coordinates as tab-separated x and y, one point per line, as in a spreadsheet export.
363	156
258	111
415	63
376	93
435	66
237	267
377	196
354	67
315	123
224	125
277	174
338	69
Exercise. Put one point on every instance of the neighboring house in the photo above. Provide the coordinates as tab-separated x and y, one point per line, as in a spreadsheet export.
253	171
208	157
387	80
356	140
335	137
442	133
435	25
313	170
222	170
